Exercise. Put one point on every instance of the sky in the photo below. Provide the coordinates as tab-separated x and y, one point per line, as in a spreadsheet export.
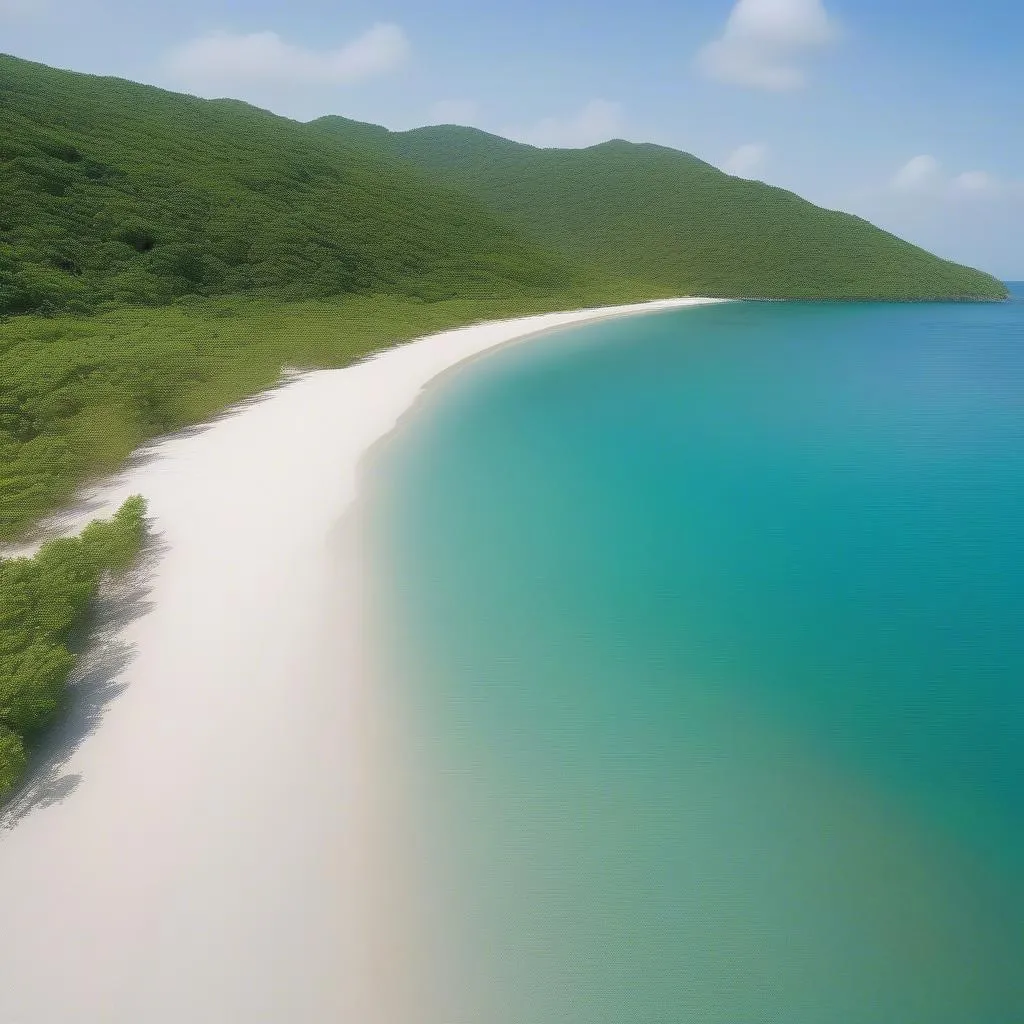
909	113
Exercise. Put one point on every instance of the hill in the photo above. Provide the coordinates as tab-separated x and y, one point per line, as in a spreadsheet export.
671	220
115	193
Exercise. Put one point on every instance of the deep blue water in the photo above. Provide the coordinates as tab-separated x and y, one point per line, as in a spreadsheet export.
712	626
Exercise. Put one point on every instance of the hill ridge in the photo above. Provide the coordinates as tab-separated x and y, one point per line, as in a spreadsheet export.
666	216
115	193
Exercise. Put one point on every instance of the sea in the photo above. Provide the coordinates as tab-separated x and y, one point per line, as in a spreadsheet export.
708	627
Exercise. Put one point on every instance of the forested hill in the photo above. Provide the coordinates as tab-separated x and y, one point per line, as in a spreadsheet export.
115	193
665	217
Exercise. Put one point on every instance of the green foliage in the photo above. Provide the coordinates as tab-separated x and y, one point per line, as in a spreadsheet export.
115	544
31	685
652	214
113	193
12	759
42	599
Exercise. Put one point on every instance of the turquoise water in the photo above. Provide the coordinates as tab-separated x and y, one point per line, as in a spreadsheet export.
710	624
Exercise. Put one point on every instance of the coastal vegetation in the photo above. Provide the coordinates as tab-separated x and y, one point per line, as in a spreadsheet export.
79	394
42	601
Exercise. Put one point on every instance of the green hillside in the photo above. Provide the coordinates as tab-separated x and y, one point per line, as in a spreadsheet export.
666	218
115	193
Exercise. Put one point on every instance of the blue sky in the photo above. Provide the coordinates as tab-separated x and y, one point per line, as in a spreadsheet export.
906	112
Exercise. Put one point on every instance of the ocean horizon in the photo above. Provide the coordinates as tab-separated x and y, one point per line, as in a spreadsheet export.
707	626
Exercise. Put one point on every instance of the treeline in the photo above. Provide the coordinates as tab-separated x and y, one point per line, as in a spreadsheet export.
42	600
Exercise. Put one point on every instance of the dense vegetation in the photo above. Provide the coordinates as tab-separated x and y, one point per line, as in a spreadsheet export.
113	193
42	600
665	218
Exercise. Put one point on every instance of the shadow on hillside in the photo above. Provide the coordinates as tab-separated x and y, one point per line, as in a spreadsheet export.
94	684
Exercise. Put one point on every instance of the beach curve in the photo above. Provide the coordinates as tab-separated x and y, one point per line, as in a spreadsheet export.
233	843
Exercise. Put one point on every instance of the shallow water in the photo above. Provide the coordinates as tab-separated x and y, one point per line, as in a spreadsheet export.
709	625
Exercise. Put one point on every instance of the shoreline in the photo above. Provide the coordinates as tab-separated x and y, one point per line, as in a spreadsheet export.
455	348
232	799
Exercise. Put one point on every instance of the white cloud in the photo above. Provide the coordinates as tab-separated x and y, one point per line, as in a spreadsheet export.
227	59
924	175
919	172
973	217
765	41
745	160
975	181
597	121
462	112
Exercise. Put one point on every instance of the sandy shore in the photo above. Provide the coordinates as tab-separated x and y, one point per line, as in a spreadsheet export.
223	836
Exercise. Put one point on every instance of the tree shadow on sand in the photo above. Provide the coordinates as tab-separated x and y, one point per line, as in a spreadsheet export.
95	682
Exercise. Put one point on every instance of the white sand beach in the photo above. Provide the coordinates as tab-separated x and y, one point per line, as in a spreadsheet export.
228	841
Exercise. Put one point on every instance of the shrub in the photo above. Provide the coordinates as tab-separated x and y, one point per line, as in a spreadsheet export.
42	599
